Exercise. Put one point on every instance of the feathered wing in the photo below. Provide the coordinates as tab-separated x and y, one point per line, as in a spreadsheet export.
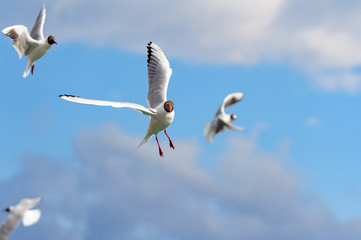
8	226
209	132
23	43
134	106
159	73
31	217
229	100
213	128
37	30
234	127
28	203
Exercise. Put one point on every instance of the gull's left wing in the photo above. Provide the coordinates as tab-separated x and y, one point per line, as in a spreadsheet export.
159	73
229	100
37	30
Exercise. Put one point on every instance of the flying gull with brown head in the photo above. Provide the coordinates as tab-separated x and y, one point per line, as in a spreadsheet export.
222	120
33	45
21	212
161	110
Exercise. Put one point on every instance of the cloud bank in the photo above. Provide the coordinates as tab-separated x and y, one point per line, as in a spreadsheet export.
109	190
320	37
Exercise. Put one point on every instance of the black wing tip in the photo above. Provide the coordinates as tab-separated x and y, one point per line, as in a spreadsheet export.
149	51
66	95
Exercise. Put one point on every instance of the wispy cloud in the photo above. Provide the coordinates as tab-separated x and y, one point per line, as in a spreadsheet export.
313	121
109	190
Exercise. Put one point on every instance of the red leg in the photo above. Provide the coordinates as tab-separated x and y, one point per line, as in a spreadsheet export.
170	141
160	150
32	69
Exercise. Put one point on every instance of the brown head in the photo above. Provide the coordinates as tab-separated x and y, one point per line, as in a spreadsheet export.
233	116
169	106
51	40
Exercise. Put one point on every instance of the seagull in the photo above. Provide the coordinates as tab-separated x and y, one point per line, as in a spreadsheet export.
20	212
222	121
33	45
161	110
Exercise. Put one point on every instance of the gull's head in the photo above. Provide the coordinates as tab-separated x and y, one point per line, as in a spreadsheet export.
169	106
51	40
233	116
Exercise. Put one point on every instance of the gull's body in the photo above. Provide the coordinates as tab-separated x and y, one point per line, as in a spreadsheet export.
161	110
18	213
222	120
33	45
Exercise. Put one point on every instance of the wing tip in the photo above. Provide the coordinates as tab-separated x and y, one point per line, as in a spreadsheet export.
149	51
238	95
67	96
208	133
43	9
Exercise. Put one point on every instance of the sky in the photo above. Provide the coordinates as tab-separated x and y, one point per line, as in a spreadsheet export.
294	173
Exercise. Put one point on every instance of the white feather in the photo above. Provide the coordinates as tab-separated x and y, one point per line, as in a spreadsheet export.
31	217
88	101
159	73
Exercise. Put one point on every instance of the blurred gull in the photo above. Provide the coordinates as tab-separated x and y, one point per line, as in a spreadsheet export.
34	45
20	212
222	121
161	110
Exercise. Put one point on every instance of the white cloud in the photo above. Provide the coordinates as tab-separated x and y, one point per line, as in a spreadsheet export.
315	36
110	190
343	80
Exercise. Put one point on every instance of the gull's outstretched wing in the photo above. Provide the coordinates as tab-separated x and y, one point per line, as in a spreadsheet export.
213	128
159	73
8	226
23	43
234	127
229	101
27	203
37	30
134	106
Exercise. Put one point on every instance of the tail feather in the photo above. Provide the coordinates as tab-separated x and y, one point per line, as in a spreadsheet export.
145	139
27	70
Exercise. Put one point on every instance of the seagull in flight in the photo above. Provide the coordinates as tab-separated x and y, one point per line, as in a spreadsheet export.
222	120
33	45
20	212
160	110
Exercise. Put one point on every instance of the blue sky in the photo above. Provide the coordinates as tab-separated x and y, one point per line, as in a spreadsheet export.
293	175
